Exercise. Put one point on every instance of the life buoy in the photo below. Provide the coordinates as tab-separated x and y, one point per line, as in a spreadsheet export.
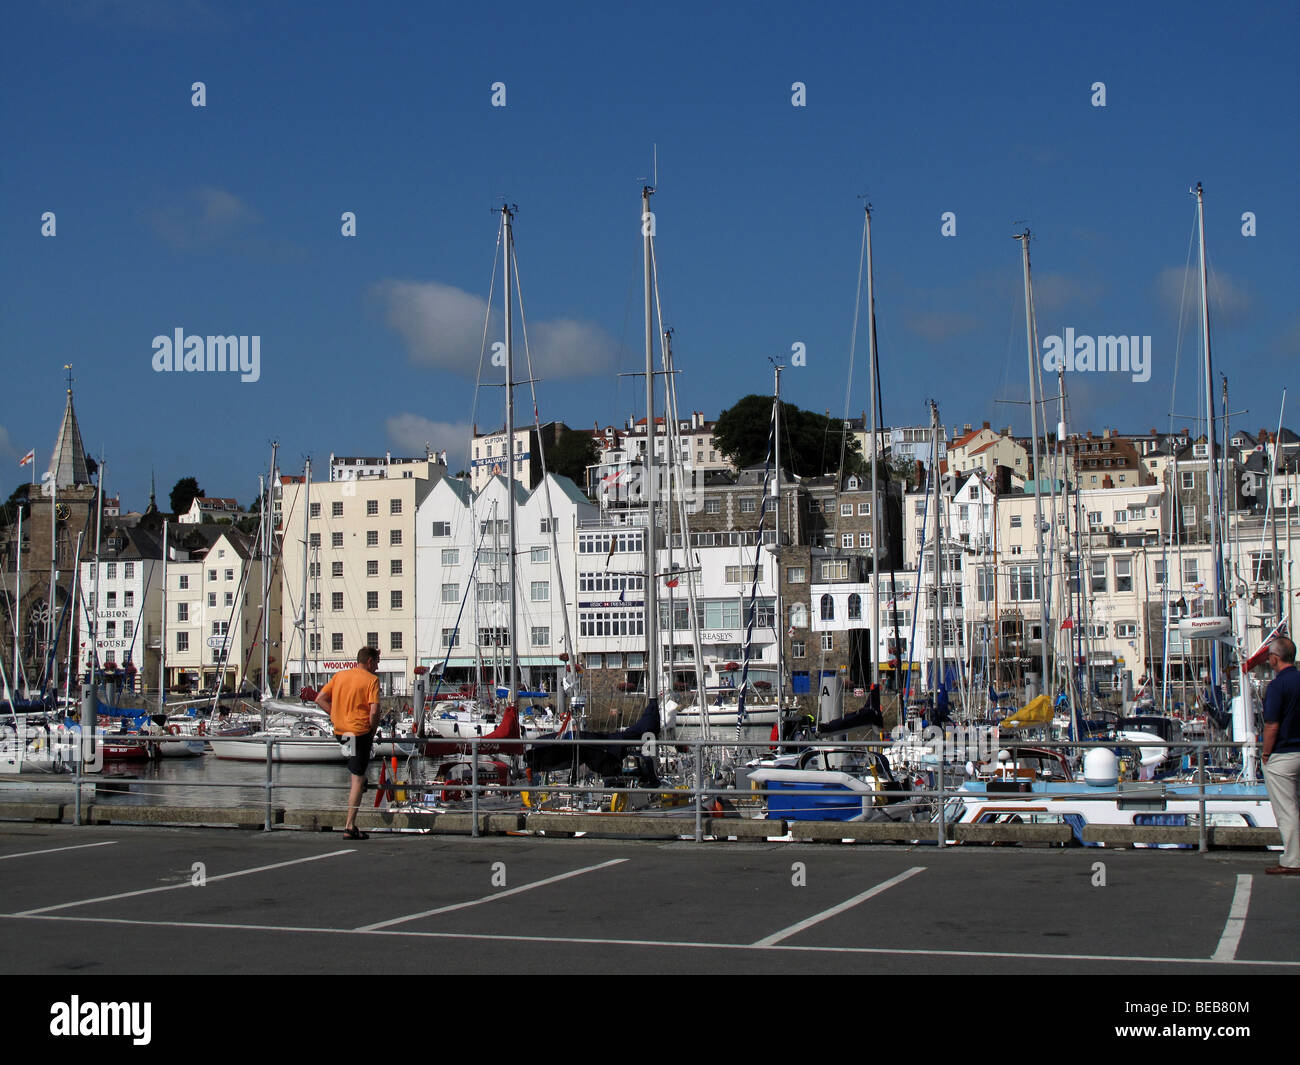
203	728
174	730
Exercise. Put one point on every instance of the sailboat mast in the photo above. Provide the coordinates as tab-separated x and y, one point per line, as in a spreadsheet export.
652	592
777	618
18	598
306	547
1031	346
873	458
513	696
162	625
1212	477
936	646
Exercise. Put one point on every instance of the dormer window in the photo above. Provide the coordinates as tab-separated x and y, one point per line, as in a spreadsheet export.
853	484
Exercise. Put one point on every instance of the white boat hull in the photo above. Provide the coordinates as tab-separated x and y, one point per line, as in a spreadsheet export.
304	750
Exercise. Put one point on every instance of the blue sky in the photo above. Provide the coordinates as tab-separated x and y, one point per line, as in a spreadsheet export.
225	219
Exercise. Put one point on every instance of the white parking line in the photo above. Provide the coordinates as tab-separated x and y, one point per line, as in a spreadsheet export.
51	850
182	884
847	904
488	898
401	933
1236	924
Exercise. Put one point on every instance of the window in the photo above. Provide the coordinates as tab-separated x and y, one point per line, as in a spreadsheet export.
1123	574
395	538
128	570
1094	518
372	567
110	630
128	599
747	505
372	537
183	581
1024	583
828	641
313	601
1189	517
1015	521
336	540
451	556
864	510
1098	584
486	592
372	600
395	599
864	539
394	506
128	629
312	541
451	593
219	628
798	616
545	526
1121	517
795	574
110	570
315	510
713	506
314	642
450	638
1162	572
846	510
855	607
212	574
499	637
394	641
372	640
1188	479
372	508
828	608
182	611
1126	630
395	567
1190	571
985	576
313	570
442	528
336	509
836	569
541	635
182	641
336	600
797	648
540	554
846	541
540	591
336	641
229	600
212	598
735	575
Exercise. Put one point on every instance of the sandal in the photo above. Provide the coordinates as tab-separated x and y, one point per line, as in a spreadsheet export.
353	833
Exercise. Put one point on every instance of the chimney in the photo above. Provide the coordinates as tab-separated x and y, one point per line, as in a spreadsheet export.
966	428
986	425
1106	433
1107	481
920	472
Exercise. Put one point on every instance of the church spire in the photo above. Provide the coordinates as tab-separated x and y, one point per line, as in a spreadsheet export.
68	461
153	501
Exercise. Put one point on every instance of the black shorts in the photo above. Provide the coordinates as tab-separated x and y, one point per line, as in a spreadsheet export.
358	762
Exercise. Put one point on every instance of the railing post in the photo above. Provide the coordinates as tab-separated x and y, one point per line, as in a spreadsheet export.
699	791
473	777
943	824
1203	835
270	743
76	779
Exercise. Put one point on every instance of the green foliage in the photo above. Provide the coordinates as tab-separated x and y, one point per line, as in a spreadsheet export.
183	494
810	442
571	455
17	498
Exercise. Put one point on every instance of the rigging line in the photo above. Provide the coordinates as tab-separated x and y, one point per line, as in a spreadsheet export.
1182	317
853	338
487	320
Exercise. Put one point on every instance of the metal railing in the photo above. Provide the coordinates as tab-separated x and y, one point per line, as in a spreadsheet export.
691	761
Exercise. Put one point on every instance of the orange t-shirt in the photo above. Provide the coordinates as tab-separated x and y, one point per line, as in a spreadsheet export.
351	693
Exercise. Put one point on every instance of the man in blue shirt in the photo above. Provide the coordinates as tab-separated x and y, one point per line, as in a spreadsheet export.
1282	752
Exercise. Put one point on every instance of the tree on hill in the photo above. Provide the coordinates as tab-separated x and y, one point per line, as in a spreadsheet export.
17	498
571	455
810	442
183	494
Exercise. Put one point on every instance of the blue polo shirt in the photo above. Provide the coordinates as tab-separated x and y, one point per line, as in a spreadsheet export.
1282	708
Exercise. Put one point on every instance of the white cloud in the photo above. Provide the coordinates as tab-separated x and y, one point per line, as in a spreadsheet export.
443	328
207	217
1230	300
410	433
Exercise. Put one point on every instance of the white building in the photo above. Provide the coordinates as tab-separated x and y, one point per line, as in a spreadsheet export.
121	613
210	509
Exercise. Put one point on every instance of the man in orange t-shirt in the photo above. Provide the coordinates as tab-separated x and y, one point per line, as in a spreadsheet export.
351	699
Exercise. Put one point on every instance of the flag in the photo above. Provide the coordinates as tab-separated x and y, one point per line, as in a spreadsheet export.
613	543
1261	652
1068	623
622	594
671	582
28	459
